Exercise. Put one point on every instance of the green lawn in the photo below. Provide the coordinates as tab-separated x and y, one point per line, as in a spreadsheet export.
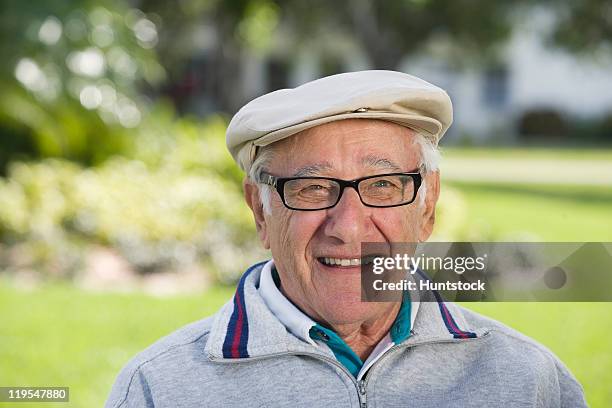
61	336
533	212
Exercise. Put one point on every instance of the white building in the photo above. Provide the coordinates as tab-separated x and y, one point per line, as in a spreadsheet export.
489	103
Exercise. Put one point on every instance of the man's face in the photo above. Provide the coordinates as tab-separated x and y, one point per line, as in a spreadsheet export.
299	240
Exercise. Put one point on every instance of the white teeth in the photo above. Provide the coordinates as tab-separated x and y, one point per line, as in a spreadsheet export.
342	261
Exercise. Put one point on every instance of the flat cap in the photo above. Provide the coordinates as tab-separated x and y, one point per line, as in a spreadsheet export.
386	95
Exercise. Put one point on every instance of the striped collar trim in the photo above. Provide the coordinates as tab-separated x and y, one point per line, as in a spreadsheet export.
236	340
447	317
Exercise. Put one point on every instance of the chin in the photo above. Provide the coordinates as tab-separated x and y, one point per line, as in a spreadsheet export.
346	309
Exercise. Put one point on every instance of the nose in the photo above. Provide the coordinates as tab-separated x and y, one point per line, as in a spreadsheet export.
348	221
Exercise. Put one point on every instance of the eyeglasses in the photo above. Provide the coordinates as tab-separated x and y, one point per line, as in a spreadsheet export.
320	193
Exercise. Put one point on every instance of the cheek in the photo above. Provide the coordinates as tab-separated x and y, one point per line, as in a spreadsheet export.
399	224
293	231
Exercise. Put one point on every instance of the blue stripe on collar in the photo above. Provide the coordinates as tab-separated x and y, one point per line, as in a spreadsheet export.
447	317
450	323
237	335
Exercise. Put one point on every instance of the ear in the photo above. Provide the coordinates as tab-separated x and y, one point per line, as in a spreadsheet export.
251	196
432	180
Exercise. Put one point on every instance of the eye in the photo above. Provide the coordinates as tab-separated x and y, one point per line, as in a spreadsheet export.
383	184
314	189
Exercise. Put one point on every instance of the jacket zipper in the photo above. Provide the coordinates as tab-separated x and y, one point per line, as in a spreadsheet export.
360	385
363	401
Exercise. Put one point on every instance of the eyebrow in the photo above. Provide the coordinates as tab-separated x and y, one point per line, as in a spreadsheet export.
370	161
381	163
313	169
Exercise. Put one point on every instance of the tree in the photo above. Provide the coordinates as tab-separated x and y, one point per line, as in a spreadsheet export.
389	31
583	27
73	77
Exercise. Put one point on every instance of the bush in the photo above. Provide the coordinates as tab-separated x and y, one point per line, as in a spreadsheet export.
594	130
175	202
546	123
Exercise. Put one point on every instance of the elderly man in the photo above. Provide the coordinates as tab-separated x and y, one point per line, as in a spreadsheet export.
331	164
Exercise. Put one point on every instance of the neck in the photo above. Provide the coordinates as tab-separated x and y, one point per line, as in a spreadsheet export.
362	337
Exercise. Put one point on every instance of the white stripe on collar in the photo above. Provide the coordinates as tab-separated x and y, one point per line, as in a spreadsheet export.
294	319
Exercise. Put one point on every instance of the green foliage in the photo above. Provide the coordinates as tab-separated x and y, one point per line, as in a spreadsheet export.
546	125
584	27
459	31
72	76
451	215
597	129
162	141
258	26
176	201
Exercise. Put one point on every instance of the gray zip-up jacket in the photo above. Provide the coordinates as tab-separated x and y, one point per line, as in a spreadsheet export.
244	356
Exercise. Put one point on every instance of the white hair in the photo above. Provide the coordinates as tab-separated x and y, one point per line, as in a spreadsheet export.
262	161
428	162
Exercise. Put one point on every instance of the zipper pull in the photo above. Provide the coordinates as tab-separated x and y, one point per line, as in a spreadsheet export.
362	394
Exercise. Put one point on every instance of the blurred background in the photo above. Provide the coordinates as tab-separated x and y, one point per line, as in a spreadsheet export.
121	214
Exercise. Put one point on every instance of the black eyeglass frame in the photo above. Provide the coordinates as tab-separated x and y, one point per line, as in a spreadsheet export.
279	184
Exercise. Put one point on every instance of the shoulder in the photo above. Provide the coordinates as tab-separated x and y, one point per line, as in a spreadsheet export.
168	354
521	350
502	333
504	336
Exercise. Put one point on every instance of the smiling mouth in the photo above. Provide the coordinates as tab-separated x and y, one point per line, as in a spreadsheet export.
345	262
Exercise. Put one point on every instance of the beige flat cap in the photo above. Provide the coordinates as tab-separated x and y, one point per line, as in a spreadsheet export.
387	95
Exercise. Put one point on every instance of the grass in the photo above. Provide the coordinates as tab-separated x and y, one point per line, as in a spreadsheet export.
507	211
58	335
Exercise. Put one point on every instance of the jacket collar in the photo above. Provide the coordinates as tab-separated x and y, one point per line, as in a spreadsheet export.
245	327
296	321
